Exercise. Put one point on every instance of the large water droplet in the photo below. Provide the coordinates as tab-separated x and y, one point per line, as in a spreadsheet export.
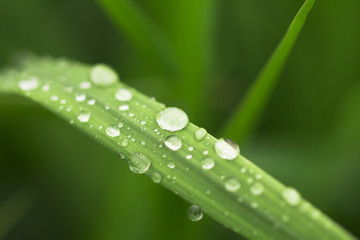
200	134
233	144
172	119
195	213
103	75
29	84
291	196
173	143
225	150
83	116
257	189
207	163
139	163
122	94
112	131
232	185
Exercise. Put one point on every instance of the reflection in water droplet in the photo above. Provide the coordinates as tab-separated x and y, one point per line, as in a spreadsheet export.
29	84
139	163
233	144
172	119
225	150
102	75
195	213
200	134
207	163
122	94
173	143
291	196
232	185
112	131
83	116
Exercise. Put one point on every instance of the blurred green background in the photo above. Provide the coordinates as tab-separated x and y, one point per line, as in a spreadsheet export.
56	183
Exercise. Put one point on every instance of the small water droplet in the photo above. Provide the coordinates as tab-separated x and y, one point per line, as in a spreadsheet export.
143	122
29	84
103	76
207	163
232	185
143	143
91	101
45	88
125	142
80	97
156	177
172	119
63	101
122	94
173	143
171	165
54	98
195	213
257	189
139	163
190	148
124	107
225	150
83	116
189	156
85	85
112	131
291	196
200	134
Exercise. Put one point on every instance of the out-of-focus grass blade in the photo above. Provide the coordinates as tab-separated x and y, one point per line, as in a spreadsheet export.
14	209
142	32
246	115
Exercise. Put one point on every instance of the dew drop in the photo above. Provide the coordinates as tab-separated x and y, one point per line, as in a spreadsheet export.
195	213
207	163
189	156
124	107
257	189
139	163
125	142
123	94
83	117
200	134
232	143
232	185
80	97
54	98
112	131
171	165
45	88
291	196
225	150
172	119
156	177
29	84
85	85
103	76
173	143
91	101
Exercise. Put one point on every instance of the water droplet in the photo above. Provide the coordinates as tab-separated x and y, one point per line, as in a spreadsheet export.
85	85
257	189
233	144
139	163
80	97
195	213
225	150
156	177
45	88
125	142
207	163
189	156
29	84
103	76
190	148
123	94
171	165
112	131
54	98
173	143
143	143
291	196
232	185
200	134
124	107
83	116
91	101
172	119
63	101
143	122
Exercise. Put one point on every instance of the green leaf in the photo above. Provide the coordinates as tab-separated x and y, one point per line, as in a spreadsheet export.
235	192
247	113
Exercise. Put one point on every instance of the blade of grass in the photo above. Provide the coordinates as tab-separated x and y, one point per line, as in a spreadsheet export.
236	193
143	33
246	115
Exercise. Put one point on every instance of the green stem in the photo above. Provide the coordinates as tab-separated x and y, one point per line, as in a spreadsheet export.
247	113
